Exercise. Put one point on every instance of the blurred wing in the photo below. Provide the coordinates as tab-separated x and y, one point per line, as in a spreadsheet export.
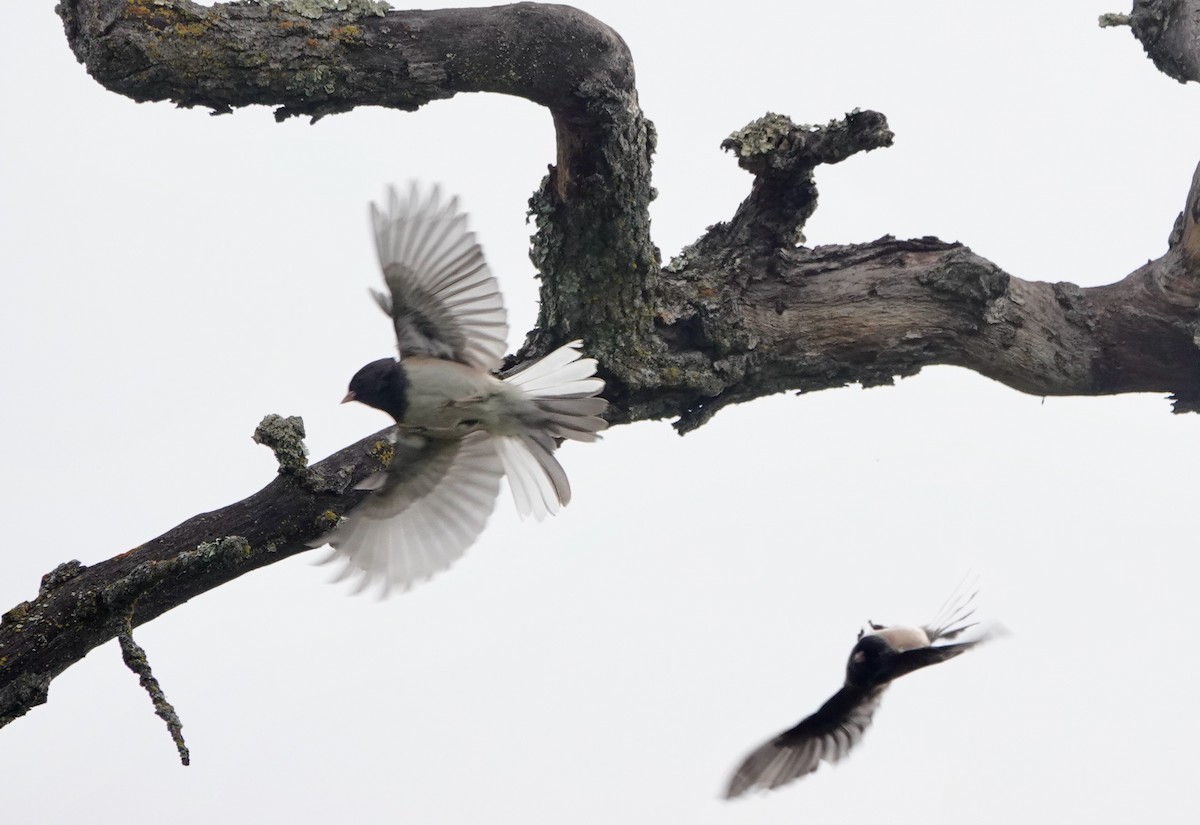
909	660
827	735
423	515
443	300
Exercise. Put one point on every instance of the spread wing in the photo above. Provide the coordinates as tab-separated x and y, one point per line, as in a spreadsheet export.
827	735
443	299
424	513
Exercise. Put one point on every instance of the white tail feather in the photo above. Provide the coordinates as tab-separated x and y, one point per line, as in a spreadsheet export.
562	386
533	488
562	372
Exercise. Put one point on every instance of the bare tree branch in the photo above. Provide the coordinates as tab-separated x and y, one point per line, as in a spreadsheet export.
741	313
78	608
135	659
1169	30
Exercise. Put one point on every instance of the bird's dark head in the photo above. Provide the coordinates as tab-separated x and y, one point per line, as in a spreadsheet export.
383	385
872	662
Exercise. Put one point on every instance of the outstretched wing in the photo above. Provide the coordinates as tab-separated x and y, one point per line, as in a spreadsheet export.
827	735
443	299
424	513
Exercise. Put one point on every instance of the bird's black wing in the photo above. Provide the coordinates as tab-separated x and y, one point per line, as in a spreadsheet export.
443	300
910	660
827	735
425	511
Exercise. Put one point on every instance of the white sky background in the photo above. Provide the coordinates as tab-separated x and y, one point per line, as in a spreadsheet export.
171	277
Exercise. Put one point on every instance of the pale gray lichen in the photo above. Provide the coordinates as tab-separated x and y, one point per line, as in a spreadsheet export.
227	550
285	438
760	137
684	259
314	9
60	575
136	660
317	81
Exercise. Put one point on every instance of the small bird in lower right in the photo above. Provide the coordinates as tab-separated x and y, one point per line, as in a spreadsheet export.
881	655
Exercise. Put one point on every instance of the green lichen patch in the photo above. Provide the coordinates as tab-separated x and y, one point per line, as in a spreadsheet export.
16	615
385	451
760	137
318	81
61	575
346	34
192	29
285	437
328	520
227	550
313	9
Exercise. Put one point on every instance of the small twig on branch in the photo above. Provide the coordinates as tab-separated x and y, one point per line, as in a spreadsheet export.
285	438
135	659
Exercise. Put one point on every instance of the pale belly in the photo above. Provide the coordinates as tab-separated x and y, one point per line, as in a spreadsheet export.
447	400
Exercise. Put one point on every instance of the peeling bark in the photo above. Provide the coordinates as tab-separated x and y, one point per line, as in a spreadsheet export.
741	313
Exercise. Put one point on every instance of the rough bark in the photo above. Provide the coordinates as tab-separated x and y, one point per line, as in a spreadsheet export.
1169	30
741	313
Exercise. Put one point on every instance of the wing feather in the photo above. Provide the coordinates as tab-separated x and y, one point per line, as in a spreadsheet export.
428	511
443	300
537	480
826	736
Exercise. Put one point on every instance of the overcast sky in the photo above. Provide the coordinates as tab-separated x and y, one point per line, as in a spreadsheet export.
172	277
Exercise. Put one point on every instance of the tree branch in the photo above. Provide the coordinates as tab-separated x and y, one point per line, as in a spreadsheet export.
1169	31
741	313
78	608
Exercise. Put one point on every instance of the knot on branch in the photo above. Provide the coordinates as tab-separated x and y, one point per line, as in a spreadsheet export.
782	155
1168	30
285	438
774	146
60	575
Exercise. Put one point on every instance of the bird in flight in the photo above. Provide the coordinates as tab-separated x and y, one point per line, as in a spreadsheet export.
459	428
881	655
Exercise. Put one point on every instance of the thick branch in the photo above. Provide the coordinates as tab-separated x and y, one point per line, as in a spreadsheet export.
1169	31
319	62
592	212
78	608
743	313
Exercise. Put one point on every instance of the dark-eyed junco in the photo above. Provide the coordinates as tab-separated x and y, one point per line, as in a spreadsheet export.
461	426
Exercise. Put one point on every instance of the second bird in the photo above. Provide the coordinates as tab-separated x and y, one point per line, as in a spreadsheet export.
461	427
881	655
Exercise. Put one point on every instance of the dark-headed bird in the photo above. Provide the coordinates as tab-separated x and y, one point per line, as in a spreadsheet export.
459	428
881	655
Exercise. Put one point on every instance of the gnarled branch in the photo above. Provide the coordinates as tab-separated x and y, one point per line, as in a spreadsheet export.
741	313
